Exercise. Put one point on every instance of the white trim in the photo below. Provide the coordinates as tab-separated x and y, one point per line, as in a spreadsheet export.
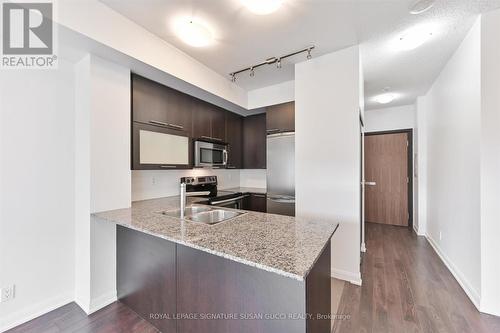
417	231
363	247
464	283
354	278
102	301
34	311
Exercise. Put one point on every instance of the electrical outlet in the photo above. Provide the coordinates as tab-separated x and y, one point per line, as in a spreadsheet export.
7	293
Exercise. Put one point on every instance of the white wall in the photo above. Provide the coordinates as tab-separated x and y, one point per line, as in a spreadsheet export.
149	184
451	121
103	175
93	19
271	95
36	191
490	163
327	150
391	118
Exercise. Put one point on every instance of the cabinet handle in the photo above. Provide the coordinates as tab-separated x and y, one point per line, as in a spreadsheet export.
259	195
210	138
180	127
231	167
168	166
155	122
273	130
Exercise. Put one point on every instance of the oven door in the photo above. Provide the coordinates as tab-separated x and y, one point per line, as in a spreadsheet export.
209	154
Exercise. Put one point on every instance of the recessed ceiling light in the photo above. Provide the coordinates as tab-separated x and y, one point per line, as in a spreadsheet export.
414	37
262	7
385	98
421	6
193	32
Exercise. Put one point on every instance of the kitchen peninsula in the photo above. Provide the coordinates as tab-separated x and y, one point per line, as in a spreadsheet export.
256	272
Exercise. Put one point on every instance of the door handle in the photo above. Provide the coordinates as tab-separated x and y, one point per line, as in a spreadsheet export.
370	183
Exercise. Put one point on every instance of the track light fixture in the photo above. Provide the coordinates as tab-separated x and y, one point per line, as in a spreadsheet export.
270	61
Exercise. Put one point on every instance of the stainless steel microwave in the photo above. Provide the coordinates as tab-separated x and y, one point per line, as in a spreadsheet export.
209	154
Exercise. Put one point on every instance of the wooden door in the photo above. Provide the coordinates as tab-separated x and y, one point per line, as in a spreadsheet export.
218	123
201	120
386	176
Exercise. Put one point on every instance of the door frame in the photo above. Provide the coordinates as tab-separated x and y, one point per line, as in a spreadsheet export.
409	135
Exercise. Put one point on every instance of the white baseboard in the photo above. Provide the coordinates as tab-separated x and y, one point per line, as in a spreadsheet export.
102	301
354	278
33	311
464	283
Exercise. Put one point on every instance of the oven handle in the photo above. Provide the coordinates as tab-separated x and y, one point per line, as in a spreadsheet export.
224	153
213	203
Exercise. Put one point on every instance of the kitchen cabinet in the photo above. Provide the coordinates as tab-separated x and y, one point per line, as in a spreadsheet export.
156	104
208	121
280	118
254	142
234	138
255	202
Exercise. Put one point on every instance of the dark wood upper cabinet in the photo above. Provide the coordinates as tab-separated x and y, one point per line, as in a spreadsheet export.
201	120
179	110
234	138
209	121
149	103
218	123
254	142
281	118
156	104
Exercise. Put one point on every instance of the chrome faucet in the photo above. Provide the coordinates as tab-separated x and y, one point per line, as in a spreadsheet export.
183	199
184	193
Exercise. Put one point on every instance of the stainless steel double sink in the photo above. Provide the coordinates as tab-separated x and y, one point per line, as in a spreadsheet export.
204	214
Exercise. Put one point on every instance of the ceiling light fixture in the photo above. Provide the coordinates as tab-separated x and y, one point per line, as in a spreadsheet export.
421	6
194	32
414	37
386	97
262	7
270	61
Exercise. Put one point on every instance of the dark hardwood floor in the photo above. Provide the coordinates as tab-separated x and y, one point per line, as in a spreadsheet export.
115	317
407	288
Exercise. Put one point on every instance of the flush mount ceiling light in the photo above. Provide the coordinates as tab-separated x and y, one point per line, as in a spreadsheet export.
262	7
386	97
193	32
414	37
421	6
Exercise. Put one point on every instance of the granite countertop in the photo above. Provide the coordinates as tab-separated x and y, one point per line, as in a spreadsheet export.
281	244
257	190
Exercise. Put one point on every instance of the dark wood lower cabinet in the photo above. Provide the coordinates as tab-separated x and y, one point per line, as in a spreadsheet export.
145	276
180	289
255	202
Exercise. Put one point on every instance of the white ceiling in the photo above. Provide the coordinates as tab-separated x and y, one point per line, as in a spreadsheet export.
244	39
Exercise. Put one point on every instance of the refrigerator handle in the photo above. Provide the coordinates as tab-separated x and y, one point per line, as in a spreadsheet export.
281	200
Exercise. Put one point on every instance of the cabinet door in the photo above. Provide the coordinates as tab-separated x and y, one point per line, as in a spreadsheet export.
218	122
254	142
281	118
202	116
149	103
234	138
179	110
255	202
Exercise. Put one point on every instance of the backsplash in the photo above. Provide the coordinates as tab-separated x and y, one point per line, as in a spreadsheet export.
253	178
149	184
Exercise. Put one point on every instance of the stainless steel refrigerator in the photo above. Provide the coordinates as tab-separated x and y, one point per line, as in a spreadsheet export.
281	173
